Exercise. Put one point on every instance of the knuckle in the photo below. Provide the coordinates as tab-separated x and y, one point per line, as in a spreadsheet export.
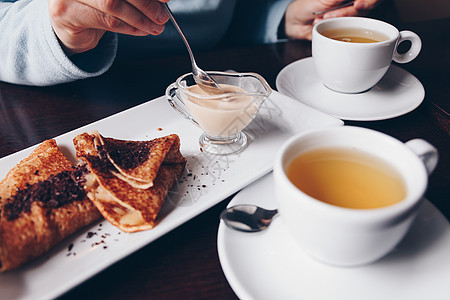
112	22
141	21
56	8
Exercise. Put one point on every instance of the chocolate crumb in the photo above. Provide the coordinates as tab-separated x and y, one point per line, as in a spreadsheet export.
98	243
90	234
58	190
70	247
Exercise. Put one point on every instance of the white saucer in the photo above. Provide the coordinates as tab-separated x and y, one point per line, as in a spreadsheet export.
269	265
397	93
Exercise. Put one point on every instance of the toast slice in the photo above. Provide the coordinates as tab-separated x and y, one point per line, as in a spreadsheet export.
42	201
117	165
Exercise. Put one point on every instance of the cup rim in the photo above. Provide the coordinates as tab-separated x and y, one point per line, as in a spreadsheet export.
366	20
267	88
397	210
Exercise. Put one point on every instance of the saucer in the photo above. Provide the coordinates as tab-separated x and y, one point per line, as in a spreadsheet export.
270	265
397	93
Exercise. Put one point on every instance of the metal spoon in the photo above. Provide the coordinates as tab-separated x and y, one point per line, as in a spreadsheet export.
345	4
247	217
206	82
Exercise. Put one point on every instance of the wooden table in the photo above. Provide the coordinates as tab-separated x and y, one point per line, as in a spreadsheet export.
184	263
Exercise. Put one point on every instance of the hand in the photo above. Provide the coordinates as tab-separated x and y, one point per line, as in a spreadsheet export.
300	18
80	24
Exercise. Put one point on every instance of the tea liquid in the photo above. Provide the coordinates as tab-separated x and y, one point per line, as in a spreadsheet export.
355	35
347	178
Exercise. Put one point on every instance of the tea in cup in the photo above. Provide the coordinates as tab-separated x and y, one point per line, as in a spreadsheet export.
222	117
347	194
351	54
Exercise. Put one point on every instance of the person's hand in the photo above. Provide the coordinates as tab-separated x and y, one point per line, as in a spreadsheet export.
80	24
300	18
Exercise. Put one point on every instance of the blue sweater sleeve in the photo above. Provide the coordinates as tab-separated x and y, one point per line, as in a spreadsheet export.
30	52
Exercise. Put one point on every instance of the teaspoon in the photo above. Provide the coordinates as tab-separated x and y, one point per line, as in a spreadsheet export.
345	4
247	217
206	82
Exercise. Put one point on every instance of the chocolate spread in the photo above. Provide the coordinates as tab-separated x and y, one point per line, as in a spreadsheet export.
56	191
128	155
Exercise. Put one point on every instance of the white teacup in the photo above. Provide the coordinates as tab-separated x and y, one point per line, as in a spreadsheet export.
349	236
352	67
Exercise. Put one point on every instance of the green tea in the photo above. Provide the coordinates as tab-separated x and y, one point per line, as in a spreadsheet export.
347	178
355	35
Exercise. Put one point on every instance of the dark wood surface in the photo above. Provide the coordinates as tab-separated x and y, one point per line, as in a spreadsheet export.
184	263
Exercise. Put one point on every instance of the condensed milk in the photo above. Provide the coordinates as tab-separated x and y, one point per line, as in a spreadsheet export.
221	117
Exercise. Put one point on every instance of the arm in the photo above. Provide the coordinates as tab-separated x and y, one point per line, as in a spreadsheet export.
30	52
255	21
64	40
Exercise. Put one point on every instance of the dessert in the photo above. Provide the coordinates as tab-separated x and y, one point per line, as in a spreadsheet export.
130	180
45	198
42	201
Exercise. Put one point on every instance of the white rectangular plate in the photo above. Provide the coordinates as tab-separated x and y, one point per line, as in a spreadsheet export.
206	181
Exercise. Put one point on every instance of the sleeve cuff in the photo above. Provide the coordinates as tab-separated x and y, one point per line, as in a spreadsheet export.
275	22
89	64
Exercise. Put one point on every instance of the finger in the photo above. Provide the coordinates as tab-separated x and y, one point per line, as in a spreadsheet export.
124	12
152	9
342	12
114	24
364	5
317	20
300	32
75	17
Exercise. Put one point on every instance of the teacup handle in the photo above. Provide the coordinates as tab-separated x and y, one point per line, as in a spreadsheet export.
416	46
177	104
426	152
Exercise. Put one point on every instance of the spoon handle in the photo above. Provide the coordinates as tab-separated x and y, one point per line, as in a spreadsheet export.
247	218
345	4
183	37
202	78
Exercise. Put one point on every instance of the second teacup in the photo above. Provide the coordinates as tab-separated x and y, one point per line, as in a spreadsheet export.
351	54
